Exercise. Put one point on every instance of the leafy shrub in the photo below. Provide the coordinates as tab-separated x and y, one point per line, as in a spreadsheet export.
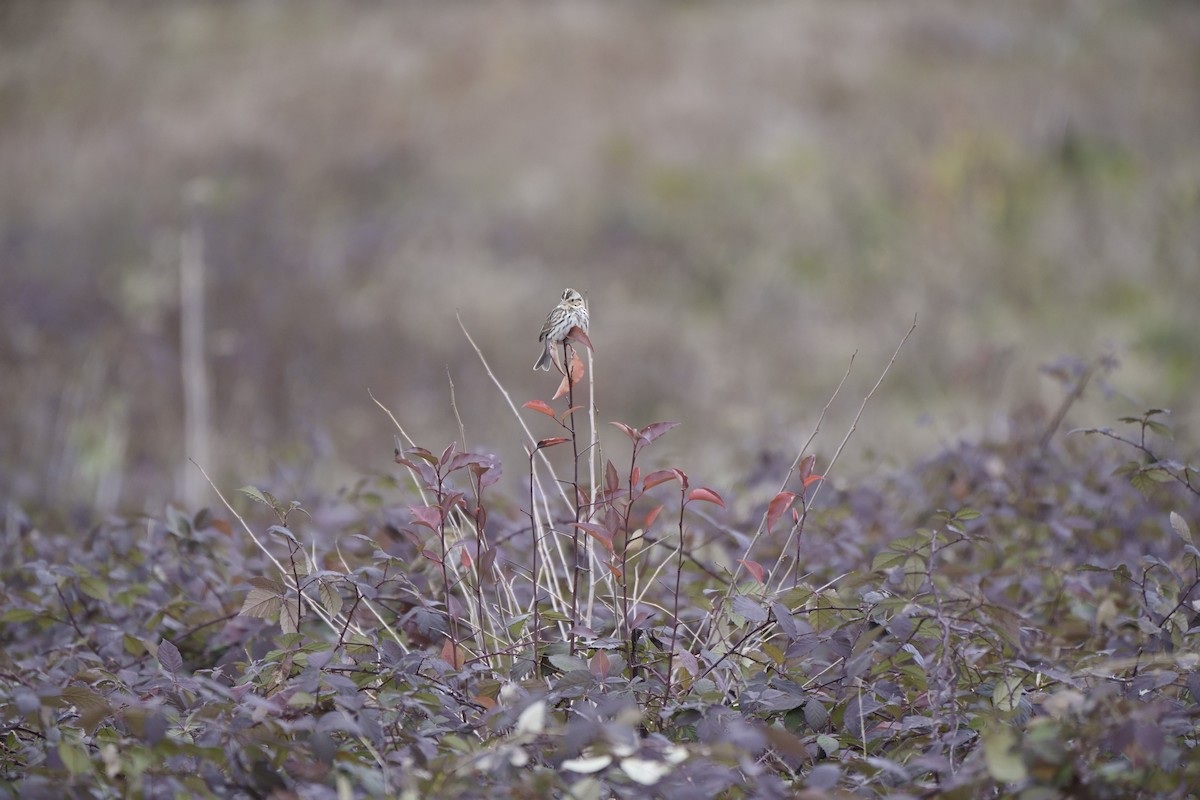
1015	618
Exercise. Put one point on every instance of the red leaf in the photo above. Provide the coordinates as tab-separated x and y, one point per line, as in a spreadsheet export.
580	335
429	516
806	467
652	516
656	429
599	664
781	503
432	556
811	479
540	407
452	655
464	558
574	373
592	529
662	476
682	477
613	568
563	419
635	476
553	440
754	568
630	432
611	480
449	451
707	495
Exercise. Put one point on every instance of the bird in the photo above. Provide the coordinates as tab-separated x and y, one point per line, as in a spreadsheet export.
570	312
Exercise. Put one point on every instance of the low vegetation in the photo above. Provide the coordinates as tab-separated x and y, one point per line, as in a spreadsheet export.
1009	619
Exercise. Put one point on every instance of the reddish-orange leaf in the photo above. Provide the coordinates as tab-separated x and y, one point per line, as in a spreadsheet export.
596	531
580	335
779	504
653	515
806	467
635	476
707	495
754	568
563	419
612	567
487	702
452	655
681	476
662	476
552	441
464	558
577	368
811	479
572	375
540	407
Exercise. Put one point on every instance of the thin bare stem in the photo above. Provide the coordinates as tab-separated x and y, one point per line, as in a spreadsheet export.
512	406
392	417
462	430
314	605
577	570
537	620
850	432
1070	400
675	601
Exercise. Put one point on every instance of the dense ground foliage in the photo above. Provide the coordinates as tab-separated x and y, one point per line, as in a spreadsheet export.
1016	618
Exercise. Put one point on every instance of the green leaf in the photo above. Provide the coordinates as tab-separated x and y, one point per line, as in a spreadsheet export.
1180	526
887	560
1144	479
1001	755
1007	694
1160	429
568	663
261	603
254	494
74	757
828	743
177	523
92	706
94	587
289	618
330	599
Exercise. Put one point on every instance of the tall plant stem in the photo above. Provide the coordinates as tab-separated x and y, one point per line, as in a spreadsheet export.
578	566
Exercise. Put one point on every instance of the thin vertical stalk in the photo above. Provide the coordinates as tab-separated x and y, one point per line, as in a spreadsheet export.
578	568
675	602
533	531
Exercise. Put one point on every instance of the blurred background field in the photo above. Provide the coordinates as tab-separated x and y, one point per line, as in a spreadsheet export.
748	193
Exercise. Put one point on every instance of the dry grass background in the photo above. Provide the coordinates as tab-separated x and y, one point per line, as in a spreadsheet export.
748	193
